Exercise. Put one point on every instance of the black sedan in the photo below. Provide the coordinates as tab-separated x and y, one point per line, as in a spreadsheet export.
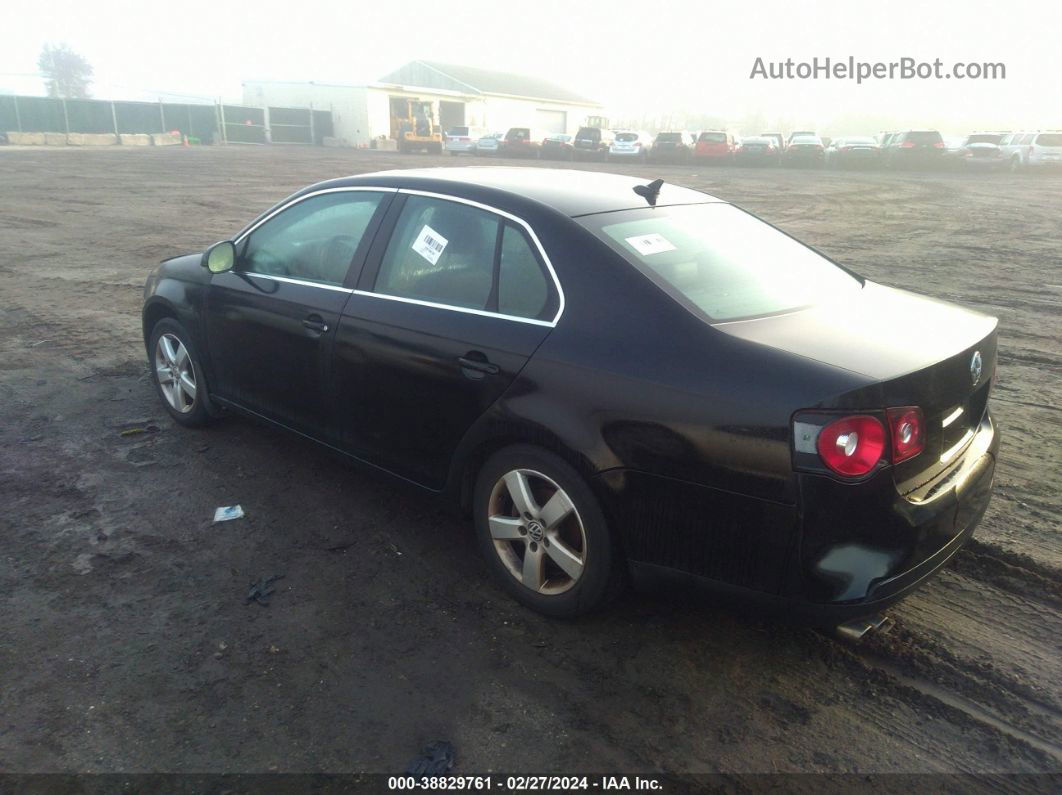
613	379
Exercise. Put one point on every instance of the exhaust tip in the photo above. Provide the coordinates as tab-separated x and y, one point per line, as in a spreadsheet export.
858	628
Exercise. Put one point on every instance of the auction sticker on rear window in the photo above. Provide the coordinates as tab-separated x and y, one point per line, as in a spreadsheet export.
649	244
430	244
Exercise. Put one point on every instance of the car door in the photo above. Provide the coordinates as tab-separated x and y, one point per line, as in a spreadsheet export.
271	321
453	301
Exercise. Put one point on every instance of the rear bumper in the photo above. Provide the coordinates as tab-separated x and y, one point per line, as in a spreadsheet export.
460	146
851	550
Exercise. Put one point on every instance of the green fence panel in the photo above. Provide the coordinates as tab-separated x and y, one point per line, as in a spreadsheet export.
9	121
290	126
244	125
41	114
89	116
138	117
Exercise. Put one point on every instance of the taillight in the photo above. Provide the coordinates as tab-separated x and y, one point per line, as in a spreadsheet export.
907	145
938	145
852	446
908	430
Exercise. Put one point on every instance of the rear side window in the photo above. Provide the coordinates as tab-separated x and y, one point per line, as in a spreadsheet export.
314	239
720	261
451	253
1028	139
1049	139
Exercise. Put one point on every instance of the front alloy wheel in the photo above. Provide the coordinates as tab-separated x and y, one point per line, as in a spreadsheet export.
176	373
537	532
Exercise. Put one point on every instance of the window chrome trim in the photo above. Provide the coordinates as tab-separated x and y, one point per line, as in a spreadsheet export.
352	188
304	282
515	219
450	307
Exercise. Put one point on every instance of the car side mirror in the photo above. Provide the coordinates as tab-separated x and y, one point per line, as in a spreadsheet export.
220	257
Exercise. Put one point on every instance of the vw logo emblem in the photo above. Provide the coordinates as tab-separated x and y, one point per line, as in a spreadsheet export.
975	367
534	529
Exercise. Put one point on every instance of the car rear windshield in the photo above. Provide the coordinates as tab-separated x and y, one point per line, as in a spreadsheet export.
1049	139
859	142
457	131
627	137
984	139
669	137
924	137
589	134
713	138
721	262
518	134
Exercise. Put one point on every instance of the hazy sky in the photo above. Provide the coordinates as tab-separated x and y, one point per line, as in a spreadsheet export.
632	56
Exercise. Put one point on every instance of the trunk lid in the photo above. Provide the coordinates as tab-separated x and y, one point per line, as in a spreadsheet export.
918	351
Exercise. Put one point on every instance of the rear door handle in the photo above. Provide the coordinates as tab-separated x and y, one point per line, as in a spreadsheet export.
478	365
315	323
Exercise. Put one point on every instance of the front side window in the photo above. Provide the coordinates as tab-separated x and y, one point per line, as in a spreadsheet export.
450	253
720	261
314	239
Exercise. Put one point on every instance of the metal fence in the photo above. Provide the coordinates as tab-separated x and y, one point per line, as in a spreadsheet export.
207	123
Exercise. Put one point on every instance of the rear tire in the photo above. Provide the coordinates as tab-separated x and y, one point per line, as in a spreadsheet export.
530	502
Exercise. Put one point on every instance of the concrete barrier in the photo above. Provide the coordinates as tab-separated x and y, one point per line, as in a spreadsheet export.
135	139
91	139
335	142
54	139
387	144
166	139
25	138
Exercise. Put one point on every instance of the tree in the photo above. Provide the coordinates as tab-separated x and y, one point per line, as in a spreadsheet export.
66	73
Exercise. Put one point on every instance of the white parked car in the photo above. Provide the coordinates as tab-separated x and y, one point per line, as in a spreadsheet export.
461	140
1034	150
630	145
488	145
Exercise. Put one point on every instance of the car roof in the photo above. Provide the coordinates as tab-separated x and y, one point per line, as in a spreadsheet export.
567	191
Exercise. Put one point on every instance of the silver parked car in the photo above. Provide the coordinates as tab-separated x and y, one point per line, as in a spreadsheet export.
461	140
488	145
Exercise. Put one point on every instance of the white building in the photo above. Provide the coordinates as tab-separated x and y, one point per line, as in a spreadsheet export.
460	95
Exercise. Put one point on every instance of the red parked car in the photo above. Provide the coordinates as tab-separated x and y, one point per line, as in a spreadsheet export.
715	146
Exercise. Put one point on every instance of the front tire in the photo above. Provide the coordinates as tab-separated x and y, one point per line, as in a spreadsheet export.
177	372
543	534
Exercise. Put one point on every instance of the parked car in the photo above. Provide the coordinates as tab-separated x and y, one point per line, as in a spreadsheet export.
489	144
913	149
630	145
804	150
715	146
522	142
800	134
673	147
778	138
1034	150
480	333
853	151
461	140
980	150
592	143
558	146
758	151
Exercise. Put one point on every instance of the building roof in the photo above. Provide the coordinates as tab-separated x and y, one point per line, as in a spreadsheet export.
470	80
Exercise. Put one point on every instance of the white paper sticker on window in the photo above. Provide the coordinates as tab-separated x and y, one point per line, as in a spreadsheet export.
430	244
650	244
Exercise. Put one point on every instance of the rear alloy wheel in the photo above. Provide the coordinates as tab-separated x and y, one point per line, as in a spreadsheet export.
543	533
177	374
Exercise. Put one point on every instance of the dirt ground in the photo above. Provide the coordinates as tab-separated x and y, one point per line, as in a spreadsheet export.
126	645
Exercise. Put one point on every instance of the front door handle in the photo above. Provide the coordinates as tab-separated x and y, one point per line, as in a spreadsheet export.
315	323
479	365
